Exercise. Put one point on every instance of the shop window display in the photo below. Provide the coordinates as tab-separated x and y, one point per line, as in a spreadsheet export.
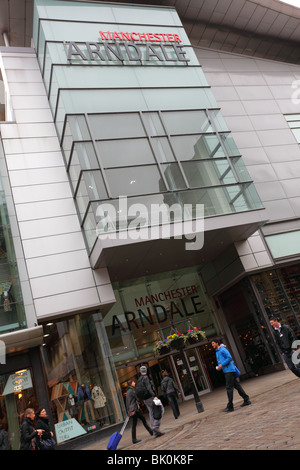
80	380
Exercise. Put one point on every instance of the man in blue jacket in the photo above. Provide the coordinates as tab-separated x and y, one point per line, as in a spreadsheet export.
226	364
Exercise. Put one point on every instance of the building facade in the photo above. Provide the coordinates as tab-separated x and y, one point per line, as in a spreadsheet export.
146	181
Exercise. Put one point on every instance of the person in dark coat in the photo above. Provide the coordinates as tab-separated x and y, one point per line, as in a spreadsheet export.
133	411
28	431
4	441
170	389
285	337
42	422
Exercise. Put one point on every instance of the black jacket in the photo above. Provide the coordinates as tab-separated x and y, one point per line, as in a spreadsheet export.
27	434
131	401
168	386
43	423
285	338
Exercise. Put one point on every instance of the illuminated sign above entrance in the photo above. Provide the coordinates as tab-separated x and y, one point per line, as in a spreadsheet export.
129	46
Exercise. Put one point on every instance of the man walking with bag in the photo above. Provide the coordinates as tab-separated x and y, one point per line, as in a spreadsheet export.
145	393
225	363
133	411
170	389
285	337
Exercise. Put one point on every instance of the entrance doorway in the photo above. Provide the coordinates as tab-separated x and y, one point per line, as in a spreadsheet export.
175	367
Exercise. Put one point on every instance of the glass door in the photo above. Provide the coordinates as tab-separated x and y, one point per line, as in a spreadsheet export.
196	370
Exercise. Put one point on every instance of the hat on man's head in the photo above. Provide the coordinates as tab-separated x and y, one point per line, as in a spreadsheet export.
143	370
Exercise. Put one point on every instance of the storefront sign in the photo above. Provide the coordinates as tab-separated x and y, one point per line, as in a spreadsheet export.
68	430
129	46
158	312
18	381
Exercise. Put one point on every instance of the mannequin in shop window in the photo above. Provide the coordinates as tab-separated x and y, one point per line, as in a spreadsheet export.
84	400
99	400
7	300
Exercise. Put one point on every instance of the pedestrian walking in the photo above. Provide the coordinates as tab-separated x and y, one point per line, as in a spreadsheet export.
134	412
226	364
28	431
145	393
46	441
285	338
170	389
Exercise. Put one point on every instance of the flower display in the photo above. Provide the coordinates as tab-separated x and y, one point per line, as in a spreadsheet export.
194	335
177	340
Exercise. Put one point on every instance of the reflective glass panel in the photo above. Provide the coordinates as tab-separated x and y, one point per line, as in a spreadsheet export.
194	147
108	126
125	152
135	180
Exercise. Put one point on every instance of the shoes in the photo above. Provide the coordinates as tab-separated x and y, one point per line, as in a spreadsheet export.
150	431
158	434
136	441
246	403
227	410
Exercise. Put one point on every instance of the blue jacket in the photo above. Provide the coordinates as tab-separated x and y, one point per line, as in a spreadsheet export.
224	358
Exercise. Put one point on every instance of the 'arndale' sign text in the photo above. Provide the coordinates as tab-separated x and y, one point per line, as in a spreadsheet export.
130	47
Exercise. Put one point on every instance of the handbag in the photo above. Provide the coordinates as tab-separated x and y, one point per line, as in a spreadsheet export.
47	444
237	371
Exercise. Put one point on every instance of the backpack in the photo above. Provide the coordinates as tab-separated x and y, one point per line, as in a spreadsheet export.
141	390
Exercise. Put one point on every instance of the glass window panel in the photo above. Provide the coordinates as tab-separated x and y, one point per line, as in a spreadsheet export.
292	117
296	133
208	173
240	169
294	124
183	122
153	124
84	154
78	127
135	180
219	121
194	147
162	149
230	145
173	176
127	152
113	126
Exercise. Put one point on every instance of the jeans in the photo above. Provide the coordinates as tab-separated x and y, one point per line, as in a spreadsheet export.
232	383
174	405
155	423
135	417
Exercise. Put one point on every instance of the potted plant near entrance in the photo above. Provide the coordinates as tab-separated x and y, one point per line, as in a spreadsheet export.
194	335
161	347
176	340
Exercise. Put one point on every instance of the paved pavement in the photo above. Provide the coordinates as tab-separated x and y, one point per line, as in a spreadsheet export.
271	422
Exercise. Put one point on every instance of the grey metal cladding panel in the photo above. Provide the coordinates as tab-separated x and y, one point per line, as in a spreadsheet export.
262	173
291	187
271	191
279	210
287	170
295	204
282	153
279	227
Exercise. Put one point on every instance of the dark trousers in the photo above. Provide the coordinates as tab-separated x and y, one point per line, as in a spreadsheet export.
136	416
174	405
289	362
232	383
